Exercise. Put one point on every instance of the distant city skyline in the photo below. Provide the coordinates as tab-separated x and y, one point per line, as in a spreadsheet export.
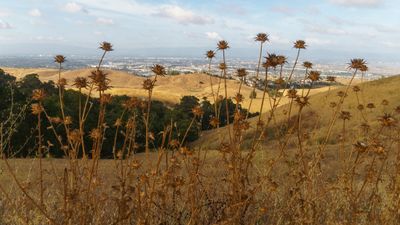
333	29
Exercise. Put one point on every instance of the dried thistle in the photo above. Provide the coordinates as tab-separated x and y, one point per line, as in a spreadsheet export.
307	65
281	60
238	97
302	101
100	80
214	122
222	66
68	120
38	94
210	54
292	93
345	115
197	111
385	102
59	59
148	84
261	37
95	133
331	78
106	46
241	72
357	64
371	106
387	120
356	88
36	109
158	70
314	75
222	45
300	44
80	82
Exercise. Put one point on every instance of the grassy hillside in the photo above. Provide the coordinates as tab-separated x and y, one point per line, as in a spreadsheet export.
168	89
317	116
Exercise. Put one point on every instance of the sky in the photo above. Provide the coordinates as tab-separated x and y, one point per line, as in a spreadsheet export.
331	28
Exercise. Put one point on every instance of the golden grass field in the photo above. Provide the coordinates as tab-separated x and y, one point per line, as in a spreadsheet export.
312	167
169	89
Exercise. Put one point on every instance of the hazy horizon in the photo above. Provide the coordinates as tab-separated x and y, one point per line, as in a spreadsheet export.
333	29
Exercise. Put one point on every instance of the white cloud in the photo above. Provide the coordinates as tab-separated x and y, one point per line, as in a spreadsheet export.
4	25
283	10
4	13
132	7
213	36
104	21
73	7
35	13
183	16
357	3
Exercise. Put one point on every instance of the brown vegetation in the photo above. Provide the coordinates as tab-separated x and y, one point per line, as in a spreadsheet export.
329	158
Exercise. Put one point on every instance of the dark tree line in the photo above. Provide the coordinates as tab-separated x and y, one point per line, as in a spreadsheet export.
15	100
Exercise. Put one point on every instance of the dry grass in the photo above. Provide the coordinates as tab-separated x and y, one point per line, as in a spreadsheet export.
319	159
182	85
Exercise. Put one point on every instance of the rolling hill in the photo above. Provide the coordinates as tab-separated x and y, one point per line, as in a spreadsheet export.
168	89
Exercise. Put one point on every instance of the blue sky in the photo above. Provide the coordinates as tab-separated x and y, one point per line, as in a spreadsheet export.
330	27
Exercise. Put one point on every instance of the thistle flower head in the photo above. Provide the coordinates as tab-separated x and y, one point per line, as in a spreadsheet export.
222	66
331	78
106	46
214	122
210	54
261	37
68	120
397	109
158	70
387	120
100	80
36	109
357	64
314	75
356	88
238	97
95	133
341	94
281	60
385	102
370	105
148	84
272	60
38	94
360	107
241	72
222	45
364	68
74	136
302	101
332	104
307	65
197	111
292	93
59	59
80	82
300	44
345	115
